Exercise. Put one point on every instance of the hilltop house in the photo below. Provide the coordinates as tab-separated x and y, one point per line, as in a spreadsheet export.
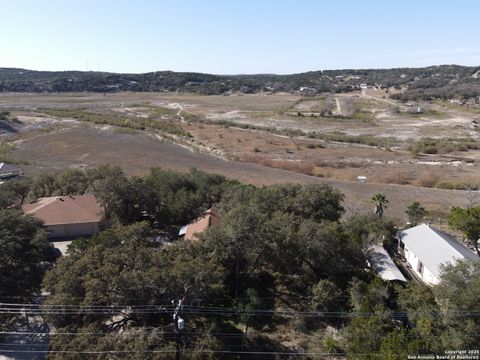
426	249
67	216
200	224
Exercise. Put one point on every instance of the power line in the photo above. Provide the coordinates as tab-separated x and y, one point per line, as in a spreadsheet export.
191	350
279	297
240	335
228	311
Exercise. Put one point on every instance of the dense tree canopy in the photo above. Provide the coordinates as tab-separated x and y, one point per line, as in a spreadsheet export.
283	261
446	81
280	242
23	249
24	257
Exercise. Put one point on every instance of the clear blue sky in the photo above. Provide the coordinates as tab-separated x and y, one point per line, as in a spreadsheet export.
237	36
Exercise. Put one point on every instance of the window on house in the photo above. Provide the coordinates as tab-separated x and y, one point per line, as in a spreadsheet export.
420	267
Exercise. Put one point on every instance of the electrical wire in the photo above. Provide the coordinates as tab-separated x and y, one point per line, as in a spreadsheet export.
196	310
189	350
215	334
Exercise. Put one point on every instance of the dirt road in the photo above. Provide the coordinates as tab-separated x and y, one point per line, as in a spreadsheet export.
180	109
339	108
395	104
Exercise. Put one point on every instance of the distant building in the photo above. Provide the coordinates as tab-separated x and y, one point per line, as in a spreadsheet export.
9	170
361	179
426	249
307	91
203	222
67	216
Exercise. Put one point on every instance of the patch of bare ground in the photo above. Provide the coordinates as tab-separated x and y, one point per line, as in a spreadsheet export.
267	157
333	160
90	146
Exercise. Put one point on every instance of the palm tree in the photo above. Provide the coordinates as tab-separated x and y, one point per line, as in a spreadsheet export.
379	200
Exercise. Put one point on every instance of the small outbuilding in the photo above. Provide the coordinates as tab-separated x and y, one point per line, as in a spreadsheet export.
67	216
426	249
203	222
9	170
382	264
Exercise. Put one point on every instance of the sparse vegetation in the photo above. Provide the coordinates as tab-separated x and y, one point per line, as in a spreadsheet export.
361	115
369	140
125	130
428	179
457	186
161	110
116	119
5	149
443	145
396	176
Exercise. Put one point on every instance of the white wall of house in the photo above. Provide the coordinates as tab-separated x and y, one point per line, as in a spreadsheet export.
425	274
429	278
72	230
411	258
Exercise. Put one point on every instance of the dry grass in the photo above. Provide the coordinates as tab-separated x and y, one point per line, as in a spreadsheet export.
428	179
302	167
84	144
396	176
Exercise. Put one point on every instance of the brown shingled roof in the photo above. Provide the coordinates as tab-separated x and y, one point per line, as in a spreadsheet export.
59	210
202	223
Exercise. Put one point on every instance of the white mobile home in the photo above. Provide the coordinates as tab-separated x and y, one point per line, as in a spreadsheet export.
426	249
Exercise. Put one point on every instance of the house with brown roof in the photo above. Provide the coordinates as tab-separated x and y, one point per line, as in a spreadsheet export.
203	222
67	216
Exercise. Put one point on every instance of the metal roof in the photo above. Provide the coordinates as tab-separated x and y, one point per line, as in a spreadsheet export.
9	168
434	247
383	265
182	230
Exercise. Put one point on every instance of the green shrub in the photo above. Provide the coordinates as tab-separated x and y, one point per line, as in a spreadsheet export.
442	146
457	186
120	120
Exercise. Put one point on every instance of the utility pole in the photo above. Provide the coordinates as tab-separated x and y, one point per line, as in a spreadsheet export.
179	324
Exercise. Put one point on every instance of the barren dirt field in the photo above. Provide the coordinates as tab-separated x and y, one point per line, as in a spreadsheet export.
85	146
259	139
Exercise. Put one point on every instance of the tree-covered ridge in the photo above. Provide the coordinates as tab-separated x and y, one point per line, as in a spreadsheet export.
446	81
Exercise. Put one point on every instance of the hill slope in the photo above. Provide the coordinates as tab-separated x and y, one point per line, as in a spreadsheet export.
446	81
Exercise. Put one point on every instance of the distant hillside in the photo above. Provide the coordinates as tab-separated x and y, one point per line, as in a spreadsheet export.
446	81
